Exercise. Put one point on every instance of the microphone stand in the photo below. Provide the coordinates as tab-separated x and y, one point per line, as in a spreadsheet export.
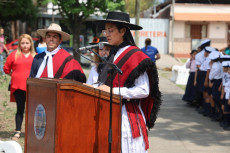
111	109
111	72
112	68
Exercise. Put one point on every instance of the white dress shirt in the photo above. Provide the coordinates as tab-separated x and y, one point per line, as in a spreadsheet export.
216	71
200	58
93	76
205	65
226	84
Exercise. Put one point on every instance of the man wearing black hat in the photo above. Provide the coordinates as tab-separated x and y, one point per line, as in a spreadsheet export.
139	82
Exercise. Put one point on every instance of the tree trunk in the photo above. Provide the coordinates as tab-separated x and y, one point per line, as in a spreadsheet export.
76	41
137	14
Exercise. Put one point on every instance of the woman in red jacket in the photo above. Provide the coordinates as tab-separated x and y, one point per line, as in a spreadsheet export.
18	65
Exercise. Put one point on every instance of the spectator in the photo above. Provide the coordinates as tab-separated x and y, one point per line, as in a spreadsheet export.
18	65
227	49
104	52
40	45
2	48
151	51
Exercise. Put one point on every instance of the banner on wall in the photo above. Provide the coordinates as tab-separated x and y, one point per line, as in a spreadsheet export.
155	29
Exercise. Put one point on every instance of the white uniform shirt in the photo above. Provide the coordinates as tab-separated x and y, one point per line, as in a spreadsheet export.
205	65
141	87
216	71
226	83
200	57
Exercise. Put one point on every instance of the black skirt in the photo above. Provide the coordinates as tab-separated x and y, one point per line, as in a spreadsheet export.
226	106
190	91
215	92
200	80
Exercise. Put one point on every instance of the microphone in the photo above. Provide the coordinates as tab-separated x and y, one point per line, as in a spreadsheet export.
99	45
115	67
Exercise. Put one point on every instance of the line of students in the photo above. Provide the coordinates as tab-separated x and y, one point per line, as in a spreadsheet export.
208	86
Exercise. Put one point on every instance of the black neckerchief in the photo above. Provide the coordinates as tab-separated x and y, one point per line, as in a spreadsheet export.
102	68
114	49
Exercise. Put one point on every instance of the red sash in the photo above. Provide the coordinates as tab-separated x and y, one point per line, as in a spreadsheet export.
63	63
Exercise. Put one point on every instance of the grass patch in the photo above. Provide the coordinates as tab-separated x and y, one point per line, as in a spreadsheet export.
167	75
183	60
181	86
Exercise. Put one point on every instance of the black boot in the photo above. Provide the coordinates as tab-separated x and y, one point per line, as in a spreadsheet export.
224	122
212	112
208	110
227	120
202	109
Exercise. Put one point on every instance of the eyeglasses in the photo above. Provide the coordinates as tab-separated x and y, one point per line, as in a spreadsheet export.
108	31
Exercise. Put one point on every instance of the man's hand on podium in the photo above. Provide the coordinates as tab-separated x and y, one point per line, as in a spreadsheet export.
88	85
104	88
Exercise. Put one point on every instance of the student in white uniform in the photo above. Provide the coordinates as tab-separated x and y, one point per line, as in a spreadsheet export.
215	80
225	123
201	79
200	58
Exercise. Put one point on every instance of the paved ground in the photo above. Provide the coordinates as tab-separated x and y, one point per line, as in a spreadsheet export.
180	129
167	61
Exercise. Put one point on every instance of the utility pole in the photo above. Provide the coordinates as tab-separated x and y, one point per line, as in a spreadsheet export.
137	16
172	27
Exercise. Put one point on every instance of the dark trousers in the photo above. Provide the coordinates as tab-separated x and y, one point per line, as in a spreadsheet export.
20	97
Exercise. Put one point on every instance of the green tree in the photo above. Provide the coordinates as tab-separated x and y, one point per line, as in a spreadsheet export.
144	4
12	10
75	12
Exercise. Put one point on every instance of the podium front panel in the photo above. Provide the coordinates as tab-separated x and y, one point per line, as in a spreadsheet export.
41	94
83	123
77	118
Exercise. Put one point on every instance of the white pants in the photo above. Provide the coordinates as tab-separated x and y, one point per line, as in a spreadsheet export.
128	143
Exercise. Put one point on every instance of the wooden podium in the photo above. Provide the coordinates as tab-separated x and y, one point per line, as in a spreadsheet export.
64	116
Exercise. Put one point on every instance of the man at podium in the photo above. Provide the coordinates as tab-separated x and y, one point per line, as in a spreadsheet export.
55	62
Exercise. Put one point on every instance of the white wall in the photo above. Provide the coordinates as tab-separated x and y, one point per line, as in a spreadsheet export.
155	29
217	30
201	8
179	29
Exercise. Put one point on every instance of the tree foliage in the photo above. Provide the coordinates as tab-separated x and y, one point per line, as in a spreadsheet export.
144	4
75	12
12	10
80	10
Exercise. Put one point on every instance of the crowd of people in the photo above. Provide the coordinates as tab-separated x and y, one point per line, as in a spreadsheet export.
208	85
138	85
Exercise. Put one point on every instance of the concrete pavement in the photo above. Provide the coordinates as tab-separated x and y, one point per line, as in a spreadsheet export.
180	129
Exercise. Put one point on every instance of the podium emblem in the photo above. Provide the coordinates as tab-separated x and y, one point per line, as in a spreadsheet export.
39	122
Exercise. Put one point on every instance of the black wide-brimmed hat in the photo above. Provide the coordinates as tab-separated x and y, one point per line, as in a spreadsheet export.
118	17
104	41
